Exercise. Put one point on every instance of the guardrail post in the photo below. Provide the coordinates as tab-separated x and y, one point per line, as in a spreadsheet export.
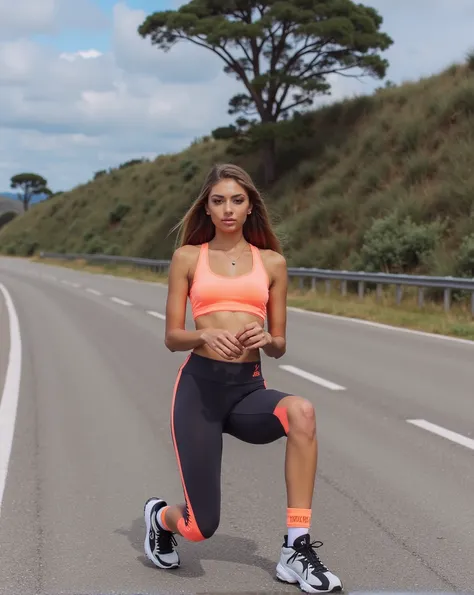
328	286
447	299
344	287
301	283
472	304
313	283
399	293
361	289
421	296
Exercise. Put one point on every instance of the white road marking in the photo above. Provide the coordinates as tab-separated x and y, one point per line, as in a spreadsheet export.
382	326
450	435
11	392
156	314
120	301
94	291
312	378
70	283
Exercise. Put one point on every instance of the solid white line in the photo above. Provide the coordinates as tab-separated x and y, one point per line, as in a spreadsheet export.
94	291
119	301
450	435
156	314
312	378
11	392
379	325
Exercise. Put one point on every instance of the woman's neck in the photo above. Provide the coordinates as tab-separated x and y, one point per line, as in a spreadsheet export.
227	241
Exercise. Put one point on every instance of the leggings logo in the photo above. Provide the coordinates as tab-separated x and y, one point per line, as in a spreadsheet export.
256	371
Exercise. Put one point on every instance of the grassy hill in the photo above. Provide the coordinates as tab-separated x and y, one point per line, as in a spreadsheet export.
380	182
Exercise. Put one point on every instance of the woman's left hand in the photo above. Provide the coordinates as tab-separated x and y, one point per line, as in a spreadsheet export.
253	336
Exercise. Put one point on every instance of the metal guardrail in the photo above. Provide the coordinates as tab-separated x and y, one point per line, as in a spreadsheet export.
447	284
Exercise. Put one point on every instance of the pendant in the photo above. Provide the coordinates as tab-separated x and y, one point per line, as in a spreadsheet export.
233	263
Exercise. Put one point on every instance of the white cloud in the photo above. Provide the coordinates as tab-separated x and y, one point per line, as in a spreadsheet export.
185	62
87	109
27	17
67	114
86	54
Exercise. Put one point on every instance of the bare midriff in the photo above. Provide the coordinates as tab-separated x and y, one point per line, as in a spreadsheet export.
232	322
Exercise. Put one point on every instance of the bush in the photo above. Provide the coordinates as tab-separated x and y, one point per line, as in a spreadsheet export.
118	213
189	169
394	245
465	257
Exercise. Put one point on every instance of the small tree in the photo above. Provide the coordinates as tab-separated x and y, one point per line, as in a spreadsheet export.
281	50
30	185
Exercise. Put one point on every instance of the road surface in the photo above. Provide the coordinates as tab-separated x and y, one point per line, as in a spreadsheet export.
393	501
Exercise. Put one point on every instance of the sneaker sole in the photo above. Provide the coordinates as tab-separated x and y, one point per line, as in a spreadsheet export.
147	514
287	575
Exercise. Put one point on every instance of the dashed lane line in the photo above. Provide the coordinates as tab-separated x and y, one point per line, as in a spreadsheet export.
312	377
120	301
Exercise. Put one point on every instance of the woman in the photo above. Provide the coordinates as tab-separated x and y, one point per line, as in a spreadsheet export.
231	267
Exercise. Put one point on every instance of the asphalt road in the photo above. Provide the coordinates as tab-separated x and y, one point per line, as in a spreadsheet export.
393	501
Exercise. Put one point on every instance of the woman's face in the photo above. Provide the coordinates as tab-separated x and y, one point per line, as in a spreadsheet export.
228	205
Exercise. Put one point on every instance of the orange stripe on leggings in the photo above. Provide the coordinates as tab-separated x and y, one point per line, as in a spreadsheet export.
282	414
188	530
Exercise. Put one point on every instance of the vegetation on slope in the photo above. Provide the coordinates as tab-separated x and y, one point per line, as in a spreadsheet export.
380	182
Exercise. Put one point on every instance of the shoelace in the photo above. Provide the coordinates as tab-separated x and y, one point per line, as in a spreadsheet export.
307	551
165	542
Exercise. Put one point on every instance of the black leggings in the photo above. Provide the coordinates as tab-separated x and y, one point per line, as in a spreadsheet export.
212	398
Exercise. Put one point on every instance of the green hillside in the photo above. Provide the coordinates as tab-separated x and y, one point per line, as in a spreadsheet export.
381	182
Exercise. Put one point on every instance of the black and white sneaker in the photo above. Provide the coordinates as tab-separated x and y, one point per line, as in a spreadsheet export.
159	543
301	564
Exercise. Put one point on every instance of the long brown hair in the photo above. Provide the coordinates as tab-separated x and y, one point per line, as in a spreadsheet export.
197	228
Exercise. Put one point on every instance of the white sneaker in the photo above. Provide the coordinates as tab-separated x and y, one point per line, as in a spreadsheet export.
301	564
159	543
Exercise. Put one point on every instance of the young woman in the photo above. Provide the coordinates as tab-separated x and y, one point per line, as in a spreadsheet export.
230	265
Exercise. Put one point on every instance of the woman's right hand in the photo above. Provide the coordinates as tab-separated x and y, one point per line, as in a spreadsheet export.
223	343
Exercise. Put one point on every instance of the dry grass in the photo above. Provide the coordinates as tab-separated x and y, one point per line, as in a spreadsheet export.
432	318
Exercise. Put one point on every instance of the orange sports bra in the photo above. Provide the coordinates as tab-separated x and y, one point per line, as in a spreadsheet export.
211	292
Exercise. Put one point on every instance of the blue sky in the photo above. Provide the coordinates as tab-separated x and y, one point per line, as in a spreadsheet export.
71	39
81	91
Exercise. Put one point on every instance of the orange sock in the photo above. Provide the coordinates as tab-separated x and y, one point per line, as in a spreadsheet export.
298	521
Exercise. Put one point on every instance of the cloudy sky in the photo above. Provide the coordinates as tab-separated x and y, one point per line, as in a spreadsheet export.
81	91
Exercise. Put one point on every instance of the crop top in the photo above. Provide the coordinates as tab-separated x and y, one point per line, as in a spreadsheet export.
211	292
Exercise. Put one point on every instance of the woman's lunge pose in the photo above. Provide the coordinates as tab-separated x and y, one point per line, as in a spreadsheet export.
230	265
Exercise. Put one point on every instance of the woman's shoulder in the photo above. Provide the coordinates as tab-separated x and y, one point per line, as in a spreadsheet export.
272	257
186	255
274	262
187	250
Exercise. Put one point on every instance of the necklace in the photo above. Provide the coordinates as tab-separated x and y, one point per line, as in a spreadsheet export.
234	260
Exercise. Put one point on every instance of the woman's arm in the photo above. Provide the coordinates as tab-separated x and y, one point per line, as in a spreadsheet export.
276	311
176	337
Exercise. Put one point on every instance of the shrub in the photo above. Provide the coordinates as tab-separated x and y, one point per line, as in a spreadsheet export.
395	245
117	214
465	257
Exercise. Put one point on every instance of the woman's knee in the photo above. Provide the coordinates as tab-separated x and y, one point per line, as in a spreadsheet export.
301	417
201	531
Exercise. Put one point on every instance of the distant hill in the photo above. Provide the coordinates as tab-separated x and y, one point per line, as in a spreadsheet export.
380	182
9	209
14	196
